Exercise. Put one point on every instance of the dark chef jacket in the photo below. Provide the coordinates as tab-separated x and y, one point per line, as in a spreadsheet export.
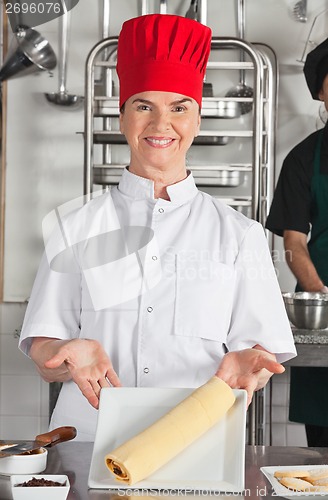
291	206
295	208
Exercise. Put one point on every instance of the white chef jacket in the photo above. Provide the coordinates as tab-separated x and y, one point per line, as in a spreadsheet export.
215	290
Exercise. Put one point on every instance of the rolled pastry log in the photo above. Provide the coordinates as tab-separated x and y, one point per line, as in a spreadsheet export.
146	452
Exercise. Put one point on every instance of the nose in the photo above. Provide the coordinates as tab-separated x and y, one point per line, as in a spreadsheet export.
161	121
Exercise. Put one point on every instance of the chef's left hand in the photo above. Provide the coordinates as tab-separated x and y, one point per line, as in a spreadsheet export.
249	369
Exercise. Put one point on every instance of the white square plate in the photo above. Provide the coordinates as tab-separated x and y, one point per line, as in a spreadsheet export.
281	491
214	462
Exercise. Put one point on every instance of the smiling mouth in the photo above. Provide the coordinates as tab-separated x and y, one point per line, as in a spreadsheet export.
159	142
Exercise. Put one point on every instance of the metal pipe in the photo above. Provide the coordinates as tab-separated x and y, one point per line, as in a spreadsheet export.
144	7
105	18
88	115
271	106
257	111
241	19
64	28
202	11
163	7
241	34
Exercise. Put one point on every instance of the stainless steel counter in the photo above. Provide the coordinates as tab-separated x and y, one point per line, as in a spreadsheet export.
310	336
312	348
74	459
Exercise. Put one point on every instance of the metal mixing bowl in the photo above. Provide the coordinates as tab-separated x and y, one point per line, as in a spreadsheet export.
308	310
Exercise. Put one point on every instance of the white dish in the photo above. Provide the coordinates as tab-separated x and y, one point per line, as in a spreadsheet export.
24	464
214	462
39	492
281	491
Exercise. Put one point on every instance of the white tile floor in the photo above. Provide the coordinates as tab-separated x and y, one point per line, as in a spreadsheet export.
24	397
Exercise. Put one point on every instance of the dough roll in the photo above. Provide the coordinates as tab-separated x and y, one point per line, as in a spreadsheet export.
146	452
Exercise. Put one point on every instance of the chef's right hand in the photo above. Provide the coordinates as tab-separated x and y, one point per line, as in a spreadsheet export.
84	361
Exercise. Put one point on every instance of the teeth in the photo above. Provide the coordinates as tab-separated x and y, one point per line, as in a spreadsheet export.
161	142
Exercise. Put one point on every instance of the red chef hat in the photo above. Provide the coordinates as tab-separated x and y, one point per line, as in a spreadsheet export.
162	52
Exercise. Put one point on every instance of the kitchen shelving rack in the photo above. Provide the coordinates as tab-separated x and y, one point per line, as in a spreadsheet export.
106	153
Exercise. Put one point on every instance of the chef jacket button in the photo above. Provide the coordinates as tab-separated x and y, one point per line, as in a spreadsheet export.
161	210
149	309
154	257
146	370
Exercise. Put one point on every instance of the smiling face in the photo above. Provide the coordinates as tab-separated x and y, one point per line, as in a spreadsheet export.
159	128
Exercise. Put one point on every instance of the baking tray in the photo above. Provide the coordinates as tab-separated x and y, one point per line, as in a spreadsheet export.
214	462
217	178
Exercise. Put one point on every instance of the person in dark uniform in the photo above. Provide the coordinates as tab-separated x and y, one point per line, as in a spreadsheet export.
300	207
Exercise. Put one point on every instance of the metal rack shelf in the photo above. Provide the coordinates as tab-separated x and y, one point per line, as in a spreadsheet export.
205	137
226	176
212	107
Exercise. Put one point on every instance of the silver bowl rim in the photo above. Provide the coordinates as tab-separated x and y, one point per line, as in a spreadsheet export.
306	298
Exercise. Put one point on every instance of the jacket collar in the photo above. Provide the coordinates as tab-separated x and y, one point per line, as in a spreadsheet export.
141	188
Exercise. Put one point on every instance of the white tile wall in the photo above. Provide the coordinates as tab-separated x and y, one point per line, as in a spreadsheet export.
283	433
24	396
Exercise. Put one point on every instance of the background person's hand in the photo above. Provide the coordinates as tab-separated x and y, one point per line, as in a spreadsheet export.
249	369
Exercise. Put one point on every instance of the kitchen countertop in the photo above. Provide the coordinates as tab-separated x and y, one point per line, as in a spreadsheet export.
311	346
312	351
74	459
302	336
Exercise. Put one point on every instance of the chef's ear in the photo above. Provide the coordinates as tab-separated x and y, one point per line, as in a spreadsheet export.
121	118
198	125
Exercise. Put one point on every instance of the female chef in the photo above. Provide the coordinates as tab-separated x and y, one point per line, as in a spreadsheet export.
181	287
